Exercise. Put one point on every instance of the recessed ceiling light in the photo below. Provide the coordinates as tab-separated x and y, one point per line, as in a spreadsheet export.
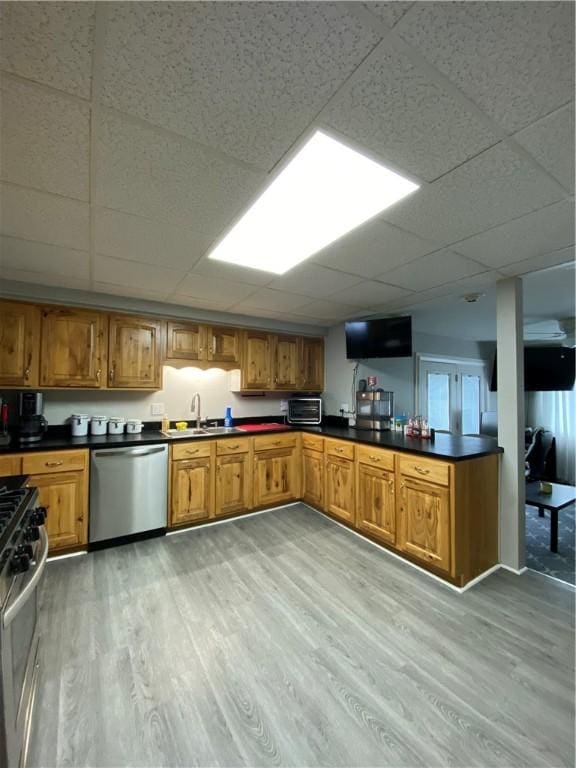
325	191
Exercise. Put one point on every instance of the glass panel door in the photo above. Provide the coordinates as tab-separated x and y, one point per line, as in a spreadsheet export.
438	400
470	404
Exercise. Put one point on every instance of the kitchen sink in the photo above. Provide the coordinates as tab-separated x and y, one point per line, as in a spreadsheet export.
185	433
222	430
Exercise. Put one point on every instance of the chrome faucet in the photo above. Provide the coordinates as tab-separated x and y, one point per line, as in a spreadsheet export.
195	408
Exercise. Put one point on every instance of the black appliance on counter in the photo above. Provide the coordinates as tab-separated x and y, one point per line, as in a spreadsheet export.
23	554
31	421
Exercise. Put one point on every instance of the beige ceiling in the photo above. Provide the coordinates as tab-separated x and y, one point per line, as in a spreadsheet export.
133	133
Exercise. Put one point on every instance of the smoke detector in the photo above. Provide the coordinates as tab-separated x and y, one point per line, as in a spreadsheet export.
472	298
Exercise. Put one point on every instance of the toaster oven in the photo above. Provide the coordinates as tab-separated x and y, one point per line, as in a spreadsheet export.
304	410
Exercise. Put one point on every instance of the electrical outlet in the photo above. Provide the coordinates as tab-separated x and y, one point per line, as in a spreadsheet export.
344	407
157	409
283	406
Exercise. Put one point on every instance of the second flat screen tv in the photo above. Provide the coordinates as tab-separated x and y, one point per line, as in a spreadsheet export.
386	337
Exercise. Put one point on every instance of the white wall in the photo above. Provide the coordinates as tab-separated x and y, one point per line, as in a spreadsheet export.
395	374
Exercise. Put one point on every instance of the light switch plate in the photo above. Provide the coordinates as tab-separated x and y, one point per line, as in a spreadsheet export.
157	409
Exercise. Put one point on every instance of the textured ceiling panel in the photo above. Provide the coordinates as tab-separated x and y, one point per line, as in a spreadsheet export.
313	280
232	272
563	256
194	301
16	254
162	177
373	248
214	289
368	293
245	77
44	140
133	292
432	270
280	301
525	238
396	111
551	142
41	216
134	275
49	42
486	191
514	59
125	236
329	310
388	12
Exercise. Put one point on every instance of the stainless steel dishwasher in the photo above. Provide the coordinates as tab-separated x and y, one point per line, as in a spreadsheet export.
128	491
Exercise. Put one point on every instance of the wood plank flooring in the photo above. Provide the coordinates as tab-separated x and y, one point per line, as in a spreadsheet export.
283	639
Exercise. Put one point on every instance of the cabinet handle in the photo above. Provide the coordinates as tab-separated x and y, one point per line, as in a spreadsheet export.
233	447
375	458
98	373
112	370
53	463
422	471
339	450
192	451
28	364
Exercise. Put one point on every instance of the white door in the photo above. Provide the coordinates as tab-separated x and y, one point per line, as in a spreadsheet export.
451	395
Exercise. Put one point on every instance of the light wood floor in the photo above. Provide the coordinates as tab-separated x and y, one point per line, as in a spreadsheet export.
283	639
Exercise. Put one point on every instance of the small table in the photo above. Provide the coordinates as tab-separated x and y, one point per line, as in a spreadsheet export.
561	496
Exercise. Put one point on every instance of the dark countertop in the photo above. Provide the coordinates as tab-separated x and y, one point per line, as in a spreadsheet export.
444	446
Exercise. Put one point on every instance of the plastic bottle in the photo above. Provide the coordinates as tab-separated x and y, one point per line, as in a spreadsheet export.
228	421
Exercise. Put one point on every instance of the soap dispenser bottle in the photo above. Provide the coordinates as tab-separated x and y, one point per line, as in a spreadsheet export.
228	422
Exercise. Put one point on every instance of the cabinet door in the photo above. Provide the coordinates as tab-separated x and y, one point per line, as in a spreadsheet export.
192	491
136	348
186	341
223	344
339	488
64	494
233	484
424	530
313	478
275	477
311	364
286	362
375	503
256	361
19	344
73	348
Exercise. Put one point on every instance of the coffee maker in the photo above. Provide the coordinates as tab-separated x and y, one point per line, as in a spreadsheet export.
374	409
31	421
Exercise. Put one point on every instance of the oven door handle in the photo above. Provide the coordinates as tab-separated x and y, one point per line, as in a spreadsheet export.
13	609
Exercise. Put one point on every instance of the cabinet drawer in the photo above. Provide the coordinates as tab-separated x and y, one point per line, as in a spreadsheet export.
10	465
232	446
375	457
196	450
340	449
313	442
271	442
55	461
424	469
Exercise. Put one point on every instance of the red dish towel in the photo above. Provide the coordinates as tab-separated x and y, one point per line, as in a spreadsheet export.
262	427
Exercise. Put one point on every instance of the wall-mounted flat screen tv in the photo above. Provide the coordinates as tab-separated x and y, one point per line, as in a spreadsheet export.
546	369
385	337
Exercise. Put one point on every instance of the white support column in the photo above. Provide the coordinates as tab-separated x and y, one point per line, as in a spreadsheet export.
510	351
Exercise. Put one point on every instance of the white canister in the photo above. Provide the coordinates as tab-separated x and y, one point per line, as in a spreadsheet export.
133	426
116	425
98	425
79	423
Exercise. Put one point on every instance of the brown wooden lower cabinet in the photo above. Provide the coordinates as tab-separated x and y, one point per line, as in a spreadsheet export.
339	488
192	491
276	477
313	477
425	524
376	502
233	484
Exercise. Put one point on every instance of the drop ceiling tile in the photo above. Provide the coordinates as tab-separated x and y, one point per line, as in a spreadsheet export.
515	60
158	176
551	142
33	215
396	111
488	190
129	291
368	293
300	319
328	310
372	248
49	42
44	140
44	279
27	256
135	275
197	303
313	280
125	236
212	268
215	289
245	77
432	270
280	301
562	256
389	12
530	236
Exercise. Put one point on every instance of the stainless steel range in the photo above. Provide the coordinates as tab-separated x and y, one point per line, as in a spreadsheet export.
23	553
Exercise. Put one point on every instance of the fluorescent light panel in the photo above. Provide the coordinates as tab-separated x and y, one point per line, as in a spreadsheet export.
325	191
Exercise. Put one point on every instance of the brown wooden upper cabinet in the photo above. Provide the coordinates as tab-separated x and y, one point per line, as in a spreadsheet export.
311	364
256	360
19	344
136	350
286	362
192	341
74	348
